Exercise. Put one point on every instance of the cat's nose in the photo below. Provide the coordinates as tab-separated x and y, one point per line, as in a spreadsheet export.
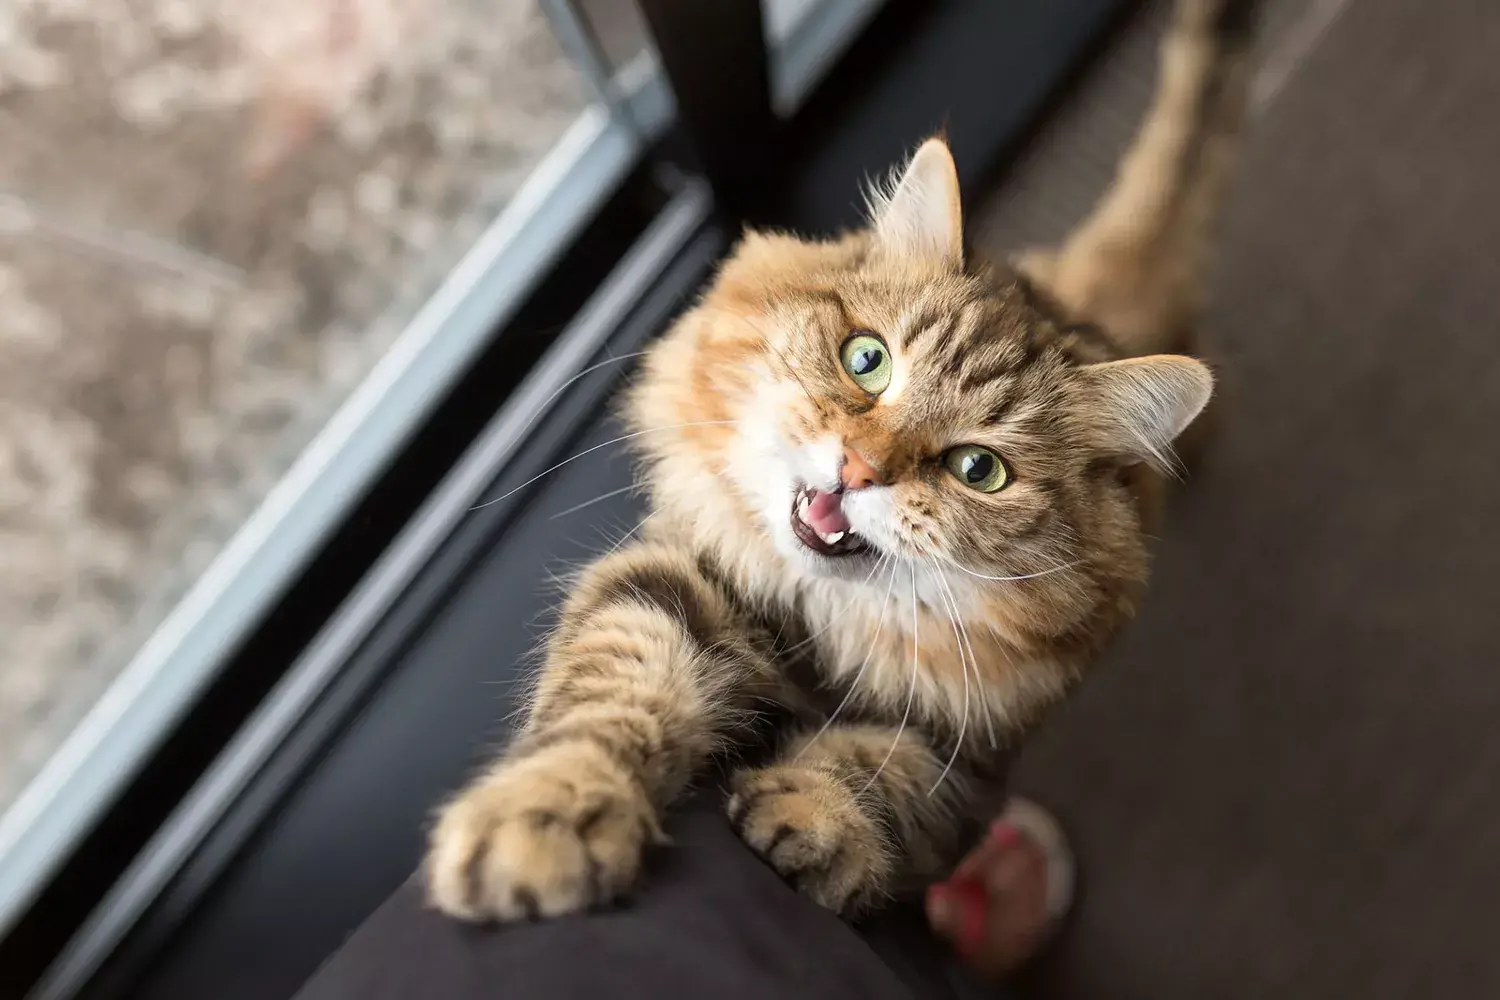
856	473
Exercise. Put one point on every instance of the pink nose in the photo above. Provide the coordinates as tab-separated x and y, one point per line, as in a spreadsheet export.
856	473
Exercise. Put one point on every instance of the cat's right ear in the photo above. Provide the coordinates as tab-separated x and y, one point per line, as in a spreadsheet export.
1137	407
919	216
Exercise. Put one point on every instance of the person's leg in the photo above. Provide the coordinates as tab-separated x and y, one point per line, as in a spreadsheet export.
710	919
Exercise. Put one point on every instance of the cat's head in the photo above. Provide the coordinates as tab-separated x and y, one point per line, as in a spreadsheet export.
871	402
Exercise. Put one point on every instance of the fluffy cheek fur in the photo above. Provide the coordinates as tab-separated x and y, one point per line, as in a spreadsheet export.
777	449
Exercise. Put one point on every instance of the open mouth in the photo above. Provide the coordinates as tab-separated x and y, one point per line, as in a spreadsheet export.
819	522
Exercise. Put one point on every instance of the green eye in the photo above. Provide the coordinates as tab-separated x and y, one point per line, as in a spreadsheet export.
867	361
977	468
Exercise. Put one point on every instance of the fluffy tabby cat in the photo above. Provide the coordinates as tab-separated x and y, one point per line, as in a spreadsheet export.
899	505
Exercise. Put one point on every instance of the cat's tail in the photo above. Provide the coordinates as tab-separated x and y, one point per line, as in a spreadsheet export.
1136	266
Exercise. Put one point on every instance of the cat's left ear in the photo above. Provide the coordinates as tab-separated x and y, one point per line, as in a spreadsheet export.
1137	407
920	216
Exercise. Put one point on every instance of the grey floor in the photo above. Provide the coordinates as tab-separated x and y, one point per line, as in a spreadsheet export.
1282	783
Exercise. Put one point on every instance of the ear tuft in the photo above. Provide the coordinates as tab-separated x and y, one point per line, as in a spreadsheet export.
1140	405
919	214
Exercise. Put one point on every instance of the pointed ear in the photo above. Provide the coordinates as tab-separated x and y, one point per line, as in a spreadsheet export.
919	215
1139	406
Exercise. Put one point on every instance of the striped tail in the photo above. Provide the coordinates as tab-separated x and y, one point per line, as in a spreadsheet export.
1136	266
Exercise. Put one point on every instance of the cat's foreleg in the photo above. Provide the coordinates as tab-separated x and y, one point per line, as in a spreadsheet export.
847	814
643	680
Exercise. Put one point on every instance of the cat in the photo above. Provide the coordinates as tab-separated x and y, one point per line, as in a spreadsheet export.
900	503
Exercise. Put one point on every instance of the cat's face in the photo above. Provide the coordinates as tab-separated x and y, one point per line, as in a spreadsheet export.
909	417
873	408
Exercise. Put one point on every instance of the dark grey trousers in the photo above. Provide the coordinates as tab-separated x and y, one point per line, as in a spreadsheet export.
710	921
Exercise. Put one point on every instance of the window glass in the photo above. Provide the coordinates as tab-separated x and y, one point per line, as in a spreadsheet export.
215	217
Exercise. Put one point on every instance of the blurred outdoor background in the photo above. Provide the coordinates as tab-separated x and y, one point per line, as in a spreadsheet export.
214	218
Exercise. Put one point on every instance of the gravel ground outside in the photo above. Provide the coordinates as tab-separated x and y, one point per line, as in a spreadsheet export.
214	217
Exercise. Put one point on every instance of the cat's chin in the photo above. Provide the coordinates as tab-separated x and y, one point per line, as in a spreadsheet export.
855	567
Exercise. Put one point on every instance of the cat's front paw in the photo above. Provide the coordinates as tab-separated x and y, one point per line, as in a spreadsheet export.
540	836
809	826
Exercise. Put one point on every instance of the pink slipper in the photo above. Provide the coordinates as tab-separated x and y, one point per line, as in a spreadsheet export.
966	888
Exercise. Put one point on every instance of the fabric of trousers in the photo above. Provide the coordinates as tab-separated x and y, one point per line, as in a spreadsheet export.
709	920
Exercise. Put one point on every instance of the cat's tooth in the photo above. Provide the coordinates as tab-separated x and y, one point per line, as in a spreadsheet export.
835	538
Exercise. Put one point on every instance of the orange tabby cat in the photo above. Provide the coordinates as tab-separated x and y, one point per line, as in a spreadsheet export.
897	497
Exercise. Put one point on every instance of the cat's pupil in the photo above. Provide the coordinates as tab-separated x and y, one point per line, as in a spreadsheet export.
867	359
977	467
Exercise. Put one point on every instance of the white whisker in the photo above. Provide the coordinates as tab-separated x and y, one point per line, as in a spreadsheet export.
589	503
541	410
834	619
911	694
589	451
984	707
1014	579
626	537
864	664
963	726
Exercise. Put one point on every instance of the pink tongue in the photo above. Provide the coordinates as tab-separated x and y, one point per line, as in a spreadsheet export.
826	513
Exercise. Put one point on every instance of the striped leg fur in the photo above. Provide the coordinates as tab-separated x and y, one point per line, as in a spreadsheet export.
650	673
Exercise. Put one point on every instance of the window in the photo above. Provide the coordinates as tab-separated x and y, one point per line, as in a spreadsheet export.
218	217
